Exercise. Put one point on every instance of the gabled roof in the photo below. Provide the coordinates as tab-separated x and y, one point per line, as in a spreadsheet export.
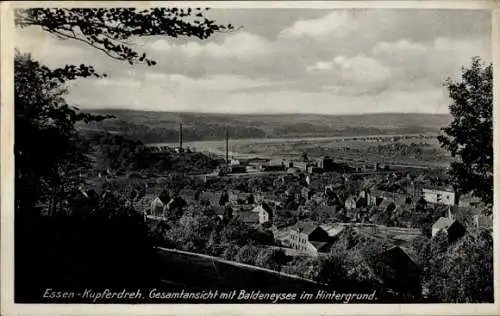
267	208
263	206
320	245
333	230
306	228
328	209
248	217
188	194
385	203
442	223
351	199
448	189
157	202
398	259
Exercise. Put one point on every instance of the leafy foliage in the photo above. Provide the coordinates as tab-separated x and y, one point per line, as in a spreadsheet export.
109	29
461	272
470	135
101	244
47	149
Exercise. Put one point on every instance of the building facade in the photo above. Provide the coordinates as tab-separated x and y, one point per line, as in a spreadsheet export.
437	196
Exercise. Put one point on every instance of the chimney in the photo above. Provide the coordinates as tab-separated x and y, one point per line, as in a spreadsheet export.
180	135
227	147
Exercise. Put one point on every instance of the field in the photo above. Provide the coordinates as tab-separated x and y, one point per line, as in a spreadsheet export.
157	127
406	151
419	151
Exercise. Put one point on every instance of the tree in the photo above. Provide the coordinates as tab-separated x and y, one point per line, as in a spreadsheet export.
97	242
109	29
470	135
247	254
101	243
270	258
305	267
48	152
461	272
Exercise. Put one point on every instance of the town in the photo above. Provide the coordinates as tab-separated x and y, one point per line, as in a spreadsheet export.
285	214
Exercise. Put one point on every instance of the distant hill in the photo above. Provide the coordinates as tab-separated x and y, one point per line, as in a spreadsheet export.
149	126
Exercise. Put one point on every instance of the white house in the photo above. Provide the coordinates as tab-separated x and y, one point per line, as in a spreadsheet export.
350	203
157	207
439	196
309	239
264	211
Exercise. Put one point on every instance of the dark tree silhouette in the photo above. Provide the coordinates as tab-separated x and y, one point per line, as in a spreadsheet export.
88	240
48	153
470	135
109	29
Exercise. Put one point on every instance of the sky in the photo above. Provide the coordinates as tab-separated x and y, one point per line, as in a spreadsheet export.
344	61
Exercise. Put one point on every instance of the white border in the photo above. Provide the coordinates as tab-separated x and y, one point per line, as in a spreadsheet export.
7	176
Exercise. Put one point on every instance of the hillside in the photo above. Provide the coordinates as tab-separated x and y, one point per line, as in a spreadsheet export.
163	126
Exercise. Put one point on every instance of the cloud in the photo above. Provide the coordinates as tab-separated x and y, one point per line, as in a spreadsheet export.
433	61
284	61
237	45
338	23
355	70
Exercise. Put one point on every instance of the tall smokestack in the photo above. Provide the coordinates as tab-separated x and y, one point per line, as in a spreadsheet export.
227	147
180	135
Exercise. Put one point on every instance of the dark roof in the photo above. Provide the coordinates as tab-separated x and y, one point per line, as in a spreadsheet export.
442	223
438	188
306	228
328	209
248	217
385	203
320	245
188	194
267	208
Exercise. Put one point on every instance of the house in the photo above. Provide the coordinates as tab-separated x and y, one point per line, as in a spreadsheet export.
371	197
301	165
265	213
387	205
213	198
350	203
309	238
190	195
248	217
483	221
453	228
175	203
314	169
440	196
469	201
361	202
234	162
237	169
334	231
326	163
398	271
252	169
328	209
157	207
306	193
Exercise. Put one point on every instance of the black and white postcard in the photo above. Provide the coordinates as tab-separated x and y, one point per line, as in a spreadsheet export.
248	157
